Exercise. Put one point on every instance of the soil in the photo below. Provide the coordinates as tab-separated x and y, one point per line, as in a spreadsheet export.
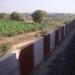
18	41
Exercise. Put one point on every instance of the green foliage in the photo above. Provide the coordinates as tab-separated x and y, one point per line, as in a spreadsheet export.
13	27
16	16
39	16
4	48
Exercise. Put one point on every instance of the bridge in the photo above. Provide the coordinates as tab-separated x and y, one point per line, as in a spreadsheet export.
51	54
61	61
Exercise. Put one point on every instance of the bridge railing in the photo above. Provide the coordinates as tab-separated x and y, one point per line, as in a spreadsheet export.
33	54
9	65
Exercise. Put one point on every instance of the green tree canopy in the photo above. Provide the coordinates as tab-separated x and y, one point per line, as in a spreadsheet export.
16	16
39	16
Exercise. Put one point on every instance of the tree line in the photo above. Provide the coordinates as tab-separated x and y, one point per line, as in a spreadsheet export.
38	16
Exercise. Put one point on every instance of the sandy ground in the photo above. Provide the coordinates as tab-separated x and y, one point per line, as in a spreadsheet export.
19	41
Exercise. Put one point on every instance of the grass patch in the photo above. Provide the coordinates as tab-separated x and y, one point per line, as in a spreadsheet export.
12	28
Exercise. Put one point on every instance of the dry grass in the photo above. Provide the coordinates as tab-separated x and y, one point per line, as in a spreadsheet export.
4	48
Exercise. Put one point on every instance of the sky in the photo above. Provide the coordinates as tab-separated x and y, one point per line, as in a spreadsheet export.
51	6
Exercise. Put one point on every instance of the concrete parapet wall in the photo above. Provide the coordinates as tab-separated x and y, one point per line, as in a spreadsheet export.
38	51
9	66
32	55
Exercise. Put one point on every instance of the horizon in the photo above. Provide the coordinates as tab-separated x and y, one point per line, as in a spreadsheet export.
27	6
35	10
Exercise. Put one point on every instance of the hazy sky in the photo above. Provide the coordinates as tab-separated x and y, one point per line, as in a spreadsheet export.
59	6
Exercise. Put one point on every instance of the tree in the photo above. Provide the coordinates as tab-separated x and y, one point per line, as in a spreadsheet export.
39	16
15	16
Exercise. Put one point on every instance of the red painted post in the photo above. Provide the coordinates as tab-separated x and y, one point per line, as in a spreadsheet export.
57	37
46	45
66	29
62	33
26	60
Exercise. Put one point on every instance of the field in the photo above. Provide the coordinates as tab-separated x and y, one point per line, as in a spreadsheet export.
12	28
14	32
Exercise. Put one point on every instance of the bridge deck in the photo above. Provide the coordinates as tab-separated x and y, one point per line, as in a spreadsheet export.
61	62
